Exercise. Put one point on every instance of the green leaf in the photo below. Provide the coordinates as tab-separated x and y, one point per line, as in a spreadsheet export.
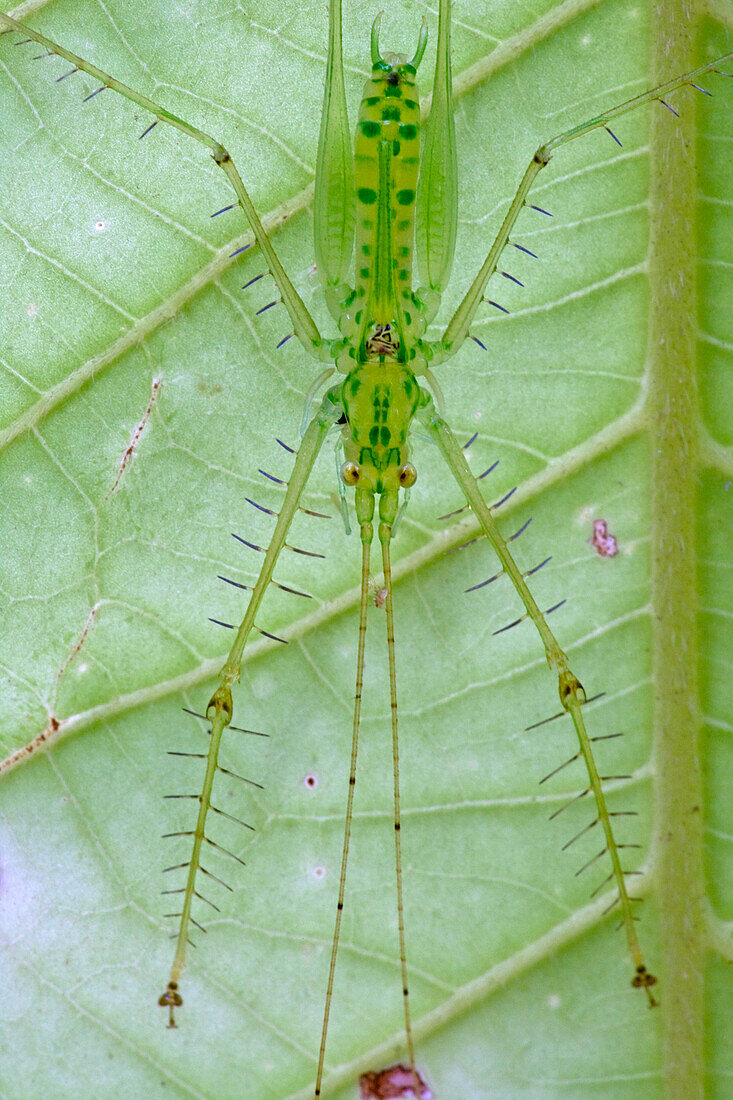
121	305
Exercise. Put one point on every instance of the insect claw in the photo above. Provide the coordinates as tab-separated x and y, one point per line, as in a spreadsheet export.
570	760
520	531
150	127
669	108
482	584
609	131
473	439
489	471
504	499
523	249
284	340
477	341
224	210
511	278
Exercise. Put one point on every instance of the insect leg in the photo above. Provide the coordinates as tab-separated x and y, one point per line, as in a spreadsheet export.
303	324
572	695
457	329
220	708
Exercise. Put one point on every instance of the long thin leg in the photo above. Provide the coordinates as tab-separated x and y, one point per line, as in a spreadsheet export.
366	537
572	695
457	328
385	534
304	326
220	708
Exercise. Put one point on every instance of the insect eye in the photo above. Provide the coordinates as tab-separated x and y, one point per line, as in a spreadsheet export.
350	473
408	475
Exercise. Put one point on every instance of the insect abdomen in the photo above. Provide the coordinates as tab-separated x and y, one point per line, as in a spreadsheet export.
389	113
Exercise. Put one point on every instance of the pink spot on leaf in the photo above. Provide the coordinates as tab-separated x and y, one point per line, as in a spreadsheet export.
602	541
395	1083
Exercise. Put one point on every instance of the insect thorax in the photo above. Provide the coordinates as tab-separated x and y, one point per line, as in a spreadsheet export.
379	400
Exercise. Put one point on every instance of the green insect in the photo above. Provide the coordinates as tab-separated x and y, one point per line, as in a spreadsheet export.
385	226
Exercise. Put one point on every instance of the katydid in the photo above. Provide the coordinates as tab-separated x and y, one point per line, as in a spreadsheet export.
389	199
